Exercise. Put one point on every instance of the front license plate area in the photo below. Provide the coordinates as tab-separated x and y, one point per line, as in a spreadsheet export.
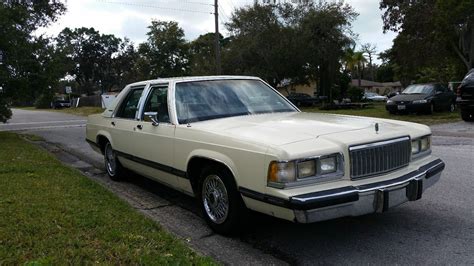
401	107
387	199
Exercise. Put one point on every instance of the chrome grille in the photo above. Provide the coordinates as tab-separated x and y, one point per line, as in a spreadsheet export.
379	157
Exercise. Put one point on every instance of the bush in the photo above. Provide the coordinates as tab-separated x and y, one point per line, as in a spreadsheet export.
5	112
355	94
44	101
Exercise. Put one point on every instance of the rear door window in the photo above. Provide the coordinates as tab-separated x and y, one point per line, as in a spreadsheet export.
129	107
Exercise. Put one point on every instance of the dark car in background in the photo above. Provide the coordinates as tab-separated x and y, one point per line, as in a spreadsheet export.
302	99
59	103
422	98
465	97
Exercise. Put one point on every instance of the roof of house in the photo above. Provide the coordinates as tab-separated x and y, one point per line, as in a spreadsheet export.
369	83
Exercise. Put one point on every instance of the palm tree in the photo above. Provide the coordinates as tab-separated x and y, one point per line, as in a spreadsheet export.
359	60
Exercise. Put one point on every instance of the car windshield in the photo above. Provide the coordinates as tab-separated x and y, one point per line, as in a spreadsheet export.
205	100
371	94
418	89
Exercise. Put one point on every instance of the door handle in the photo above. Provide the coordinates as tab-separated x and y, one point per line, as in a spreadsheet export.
140	127
112	123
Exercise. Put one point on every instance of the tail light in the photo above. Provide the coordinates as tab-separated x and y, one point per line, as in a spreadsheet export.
459	91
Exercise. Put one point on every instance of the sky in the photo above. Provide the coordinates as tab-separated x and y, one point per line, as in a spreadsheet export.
130	18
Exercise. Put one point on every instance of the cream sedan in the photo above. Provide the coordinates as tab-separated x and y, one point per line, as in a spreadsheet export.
235	143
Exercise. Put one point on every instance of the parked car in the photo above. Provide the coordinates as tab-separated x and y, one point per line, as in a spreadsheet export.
392	94
235	143
372	96
302	99
59	103
465	97
422	98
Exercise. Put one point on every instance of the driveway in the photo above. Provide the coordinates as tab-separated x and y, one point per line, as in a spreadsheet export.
438	229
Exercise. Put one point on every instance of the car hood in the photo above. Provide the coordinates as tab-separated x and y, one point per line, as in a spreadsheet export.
284	128
409	97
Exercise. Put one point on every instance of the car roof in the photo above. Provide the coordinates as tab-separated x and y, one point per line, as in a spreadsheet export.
192	78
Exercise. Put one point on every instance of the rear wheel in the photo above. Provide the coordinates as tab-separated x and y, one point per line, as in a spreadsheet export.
113	167
467	116
220	200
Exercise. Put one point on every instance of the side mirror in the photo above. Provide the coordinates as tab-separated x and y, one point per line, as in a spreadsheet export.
153	117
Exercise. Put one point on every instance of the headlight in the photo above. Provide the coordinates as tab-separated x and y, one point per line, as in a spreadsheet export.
306	169
389	101
283	174
420	101
420	145
327	165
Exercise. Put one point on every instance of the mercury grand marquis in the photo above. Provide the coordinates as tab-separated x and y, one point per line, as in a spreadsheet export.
235	143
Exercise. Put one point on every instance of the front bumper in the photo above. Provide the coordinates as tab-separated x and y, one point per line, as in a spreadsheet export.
408	107
356	200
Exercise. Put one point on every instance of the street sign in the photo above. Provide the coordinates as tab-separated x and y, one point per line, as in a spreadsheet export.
68	90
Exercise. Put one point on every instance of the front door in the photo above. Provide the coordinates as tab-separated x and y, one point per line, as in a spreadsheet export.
155	142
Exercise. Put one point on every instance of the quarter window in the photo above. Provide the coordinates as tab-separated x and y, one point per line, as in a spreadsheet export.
129	107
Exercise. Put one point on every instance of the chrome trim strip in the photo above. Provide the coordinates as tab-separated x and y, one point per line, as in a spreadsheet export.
380	143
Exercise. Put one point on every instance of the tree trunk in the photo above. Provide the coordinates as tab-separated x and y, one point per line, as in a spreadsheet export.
461	56
358	75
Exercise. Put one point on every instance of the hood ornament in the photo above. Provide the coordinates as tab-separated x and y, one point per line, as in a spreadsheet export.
376	128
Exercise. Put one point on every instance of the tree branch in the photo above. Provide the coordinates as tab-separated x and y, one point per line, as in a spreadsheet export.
461	56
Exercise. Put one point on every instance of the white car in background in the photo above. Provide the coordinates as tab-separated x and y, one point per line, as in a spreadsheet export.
235	143
372	96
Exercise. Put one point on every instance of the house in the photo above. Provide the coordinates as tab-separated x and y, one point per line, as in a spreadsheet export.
382	88
286	88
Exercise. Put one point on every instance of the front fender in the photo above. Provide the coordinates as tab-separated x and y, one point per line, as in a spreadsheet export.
215	156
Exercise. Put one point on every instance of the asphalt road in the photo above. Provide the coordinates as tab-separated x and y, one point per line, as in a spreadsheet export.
438	229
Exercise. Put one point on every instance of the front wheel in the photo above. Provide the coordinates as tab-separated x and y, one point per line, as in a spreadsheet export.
220	200
113	167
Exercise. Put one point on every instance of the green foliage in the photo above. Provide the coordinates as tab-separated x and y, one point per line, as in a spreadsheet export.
355	93
5	112
44	100
203	60
434	36
166	53
88	56
299	43
29	62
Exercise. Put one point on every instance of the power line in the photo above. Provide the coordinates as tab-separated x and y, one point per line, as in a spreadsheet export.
153	6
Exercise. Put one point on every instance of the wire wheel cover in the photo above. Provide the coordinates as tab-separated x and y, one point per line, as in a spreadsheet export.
215	199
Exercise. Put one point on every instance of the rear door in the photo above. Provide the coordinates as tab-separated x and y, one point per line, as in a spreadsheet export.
124	121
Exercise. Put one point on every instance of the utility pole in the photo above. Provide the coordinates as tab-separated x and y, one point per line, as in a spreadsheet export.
218	47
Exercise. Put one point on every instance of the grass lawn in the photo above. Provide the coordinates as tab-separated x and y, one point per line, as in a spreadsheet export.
83	111
378	110
51	214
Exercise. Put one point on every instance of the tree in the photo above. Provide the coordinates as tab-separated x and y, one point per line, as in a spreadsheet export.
360	61
370	50
325	31
202	54
166	52
89	57
290	42
264	43
433	34
26	60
